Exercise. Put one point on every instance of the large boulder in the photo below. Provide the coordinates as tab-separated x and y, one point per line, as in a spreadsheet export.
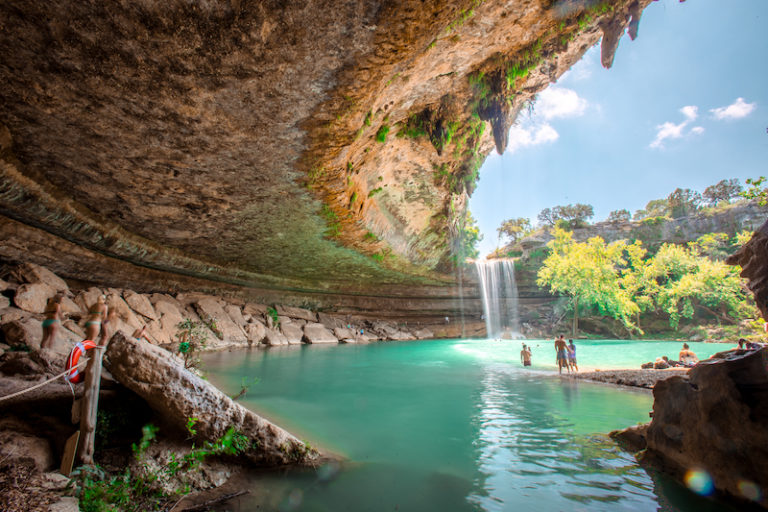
715	420
292	332
236	315
256	332
87	298
179	395
345	335
298	313
5	302
24	331
255	310
330	322
33	297
31	273
317	333
274	338
140	304
21	445
170	318
226	330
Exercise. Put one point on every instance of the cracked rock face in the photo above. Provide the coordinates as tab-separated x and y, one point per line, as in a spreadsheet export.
289	145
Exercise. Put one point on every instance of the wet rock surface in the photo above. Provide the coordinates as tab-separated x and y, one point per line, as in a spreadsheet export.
714	421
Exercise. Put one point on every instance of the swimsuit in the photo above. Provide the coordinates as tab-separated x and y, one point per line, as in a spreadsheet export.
526	363
49	322
92	322
561	355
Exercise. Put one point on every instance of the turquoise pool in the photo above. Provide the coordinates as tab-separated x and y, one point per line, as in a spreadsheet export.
451	425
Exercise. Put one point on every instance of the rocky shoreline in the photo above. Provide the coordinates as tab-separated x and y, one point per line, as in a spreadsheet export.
144	382
642	378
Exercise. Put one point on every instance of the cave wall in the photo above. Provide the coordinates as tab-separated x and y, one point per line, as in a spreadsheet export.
322	148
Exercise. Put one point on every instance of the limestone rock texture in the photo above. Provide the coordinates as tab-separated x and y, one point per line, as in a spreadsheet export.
715	420
753	260
323	151
178	394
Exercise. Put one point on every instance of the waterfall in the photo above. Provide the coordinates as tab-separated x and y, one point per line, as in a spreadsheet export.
497	283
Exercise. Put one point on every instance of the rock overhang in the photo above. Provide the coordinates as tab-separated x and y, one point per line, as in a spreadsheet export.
241	141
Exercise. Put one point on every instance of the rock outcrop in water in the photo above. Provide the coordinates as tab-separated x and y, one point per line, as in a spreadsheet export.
713	421
178	395
312	149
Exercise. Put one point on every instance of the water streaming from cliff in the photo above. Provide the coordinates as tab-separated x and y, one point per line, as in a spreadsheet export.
500	299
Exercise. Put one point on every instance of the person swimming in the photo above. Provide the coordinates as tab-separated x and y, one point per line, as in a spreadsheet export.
51	322
96	315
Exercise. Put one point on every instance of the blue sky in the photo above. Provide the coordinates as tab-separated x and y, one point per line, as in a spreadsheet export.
685	105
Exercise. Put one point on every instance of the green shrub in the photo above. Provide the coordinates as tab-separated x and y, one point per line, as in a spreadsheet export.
381	135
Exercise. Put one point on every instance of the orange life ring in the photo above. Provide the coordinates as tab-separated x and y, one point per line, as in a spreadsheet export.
78	350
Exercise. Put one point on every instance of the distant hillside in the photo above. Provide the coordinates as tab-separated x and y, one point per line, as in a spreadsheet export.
654	231
543	314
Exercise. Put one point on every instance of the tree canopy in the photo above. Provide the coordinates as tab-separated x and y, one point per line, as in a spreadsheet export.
620	280
514	229
724	191
573	215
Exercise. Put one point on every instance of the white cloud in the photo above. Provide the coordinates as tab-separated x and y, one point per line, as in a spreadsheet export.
670	130
690	112
735	110
520	137
554	102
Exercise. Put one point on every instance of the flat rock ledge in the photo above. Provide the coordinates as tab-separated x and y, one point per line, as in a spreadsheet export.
713	420
645	378
177	395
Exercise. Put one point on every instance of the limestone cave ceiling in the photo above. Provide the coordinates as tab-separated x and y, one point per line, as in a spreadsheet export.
317	144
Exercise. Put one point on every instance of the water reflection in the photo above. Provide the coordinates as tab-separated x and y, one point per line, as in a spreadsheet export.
529	455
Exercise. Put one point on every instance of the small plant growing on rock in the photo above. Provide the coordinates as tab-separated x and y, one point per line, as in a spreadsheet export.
381	135
272	312
192	338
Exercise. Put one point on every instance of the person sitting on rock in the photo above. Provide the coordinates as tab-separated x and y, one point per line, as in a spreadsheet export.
138	334
96	315
687	357
51	322
753	345
742	342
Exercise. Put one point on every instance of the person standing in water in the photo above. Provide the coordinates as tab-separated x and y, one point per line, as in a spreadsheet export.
687	357
52	321
572	356
562	354
525	355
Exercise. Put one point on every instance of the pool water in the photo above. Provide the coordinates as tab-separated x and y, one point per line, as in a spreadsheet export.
450	425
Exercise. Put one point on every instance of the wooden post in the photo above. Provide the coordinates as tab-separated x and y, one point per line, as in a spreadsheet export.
90	406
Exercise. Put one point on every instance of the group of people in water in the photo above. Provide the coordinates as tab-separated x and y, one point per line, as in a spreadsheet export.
565	355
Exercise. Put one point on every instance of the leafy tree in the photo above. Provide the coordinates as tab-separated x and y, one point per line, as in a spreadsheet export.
547	217
592	274
722	192
684	281
654	208
619	216
712	245
756	191
683	201
514	228
573	215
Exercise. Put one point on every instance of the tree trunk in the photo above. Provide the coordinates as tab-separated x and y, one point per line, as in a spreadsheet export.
90	406
575	315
